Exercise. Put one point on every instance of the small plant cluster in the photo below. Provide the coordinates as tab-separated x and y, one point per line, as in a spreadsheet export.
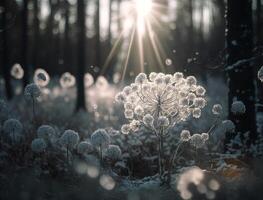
154	138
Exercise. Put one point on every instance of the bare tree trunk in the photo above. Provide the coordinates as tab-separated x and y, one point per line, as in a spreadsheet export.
81	56
66	37
5	62
239	39
36	33
25	43
259	36
97	38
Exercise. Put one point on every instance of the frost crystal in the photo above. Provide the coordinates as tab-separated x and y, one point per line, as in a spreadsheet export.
38	145
41	77
17	71
217	109
69	139
163	100
100	138
185	135
84	147
32	92
113	152
45	132
238	108
260	74
67	80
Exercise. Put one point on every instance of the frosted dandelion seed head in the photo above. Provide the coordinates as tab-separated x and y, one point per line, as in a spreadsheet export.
128	106
38	145
120	97
113	152
100	138
163	121
185	135
45	131
178	76
152	76
13	126
141	78
200	90
205	136
191	80
32	92
125	129
197	113
69	139
67	80
197	141
129	114
148	119
228	126
162	95
217	109
138	110
84	147
41	77
127	90
17	71
238	108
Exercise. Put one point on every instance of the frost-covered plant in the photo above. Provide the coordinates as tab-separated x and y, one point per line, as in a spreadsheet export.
100	139
14	129
41	77
260	74
238	108
67	80
69	139
17	71
32	92
113	152
38	145
217	109
84	147
160	102
46	132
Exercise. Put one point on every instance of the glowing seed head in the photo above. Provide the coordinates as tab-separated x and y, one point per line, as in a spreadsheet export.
185	135
38	145
67	80
41	77
17	71
217	109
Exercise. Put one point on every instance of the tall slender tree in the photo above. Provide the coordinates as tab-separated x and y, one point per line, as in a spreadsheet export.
97	37
4	51
239	40
24	52
36	33
81	56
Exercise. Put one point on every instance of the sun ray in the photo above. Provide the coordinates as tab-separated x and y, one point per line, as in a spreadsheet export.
128	53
